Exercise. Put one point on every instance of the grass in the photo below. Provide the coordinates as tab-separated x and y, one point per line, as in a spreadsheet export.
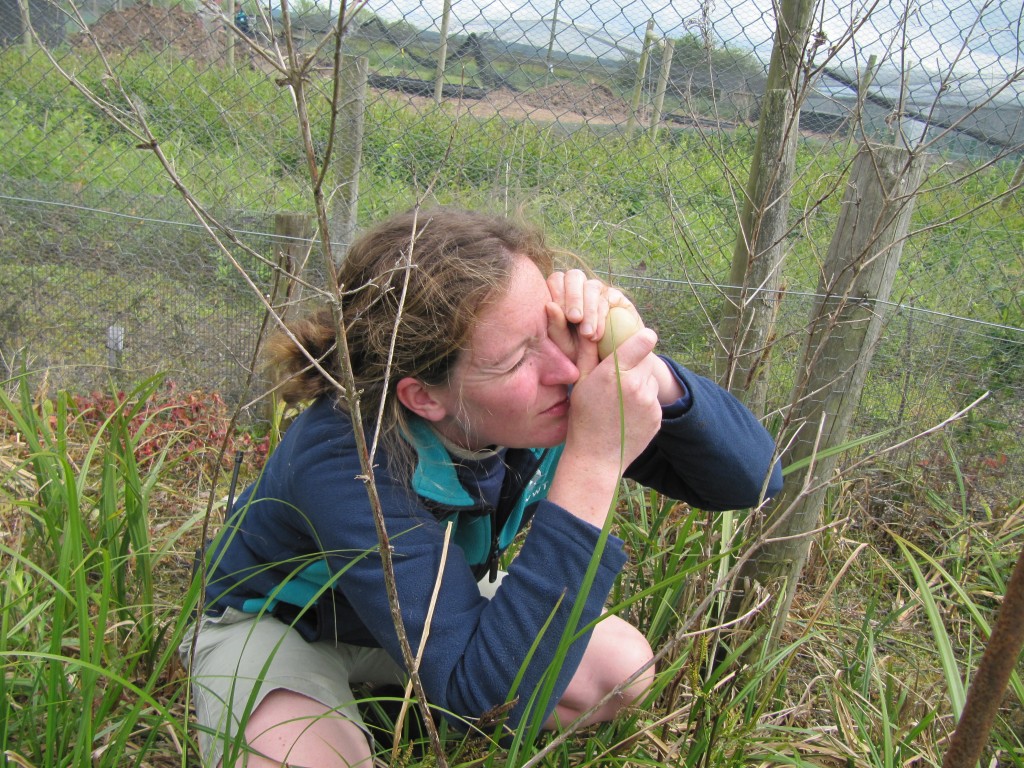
102	502
86	631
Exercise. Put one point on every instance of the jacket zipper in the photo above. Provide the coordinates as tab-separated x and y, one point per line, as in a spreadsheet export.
512	488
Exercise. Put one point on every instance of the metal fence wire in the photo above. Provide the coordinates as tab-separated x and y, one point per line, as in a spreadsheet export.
625	129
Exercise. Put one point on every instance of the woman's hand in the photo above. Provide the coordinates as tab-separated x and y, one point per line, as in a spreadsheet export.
578	319
583	304
616	404
615	411
613	416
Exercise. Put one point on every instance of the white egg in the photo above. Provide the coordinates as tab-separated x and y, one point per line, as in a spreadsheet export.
620	324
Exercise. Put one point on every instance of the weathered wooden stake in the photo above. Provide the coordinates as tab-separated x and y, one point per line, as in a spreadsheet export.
659	95
348	158
752	297
292	233
641	75
845	326
766	189
549	66
25	11
115	347
1015	184
442	53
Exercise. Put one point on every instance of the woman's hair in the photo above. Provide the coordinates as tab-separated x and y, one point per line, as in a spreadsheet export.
455	262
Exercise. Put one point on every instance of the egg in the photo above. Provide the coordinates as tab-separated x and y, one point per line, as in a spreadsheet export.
620	324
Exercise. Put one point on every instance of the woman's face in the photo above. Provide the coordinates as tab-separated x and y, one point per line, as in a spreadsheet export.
511	387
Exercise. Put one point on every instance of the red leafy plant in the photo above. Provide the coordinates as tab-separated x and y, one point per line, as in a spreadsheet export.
192	426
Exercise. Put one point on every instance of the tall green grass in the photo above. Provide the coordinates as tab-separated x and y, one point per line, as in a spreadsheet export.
87	641
870	672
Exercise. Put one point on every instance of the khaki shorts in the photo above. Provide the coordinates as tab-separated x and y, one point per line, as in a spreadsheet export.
241	657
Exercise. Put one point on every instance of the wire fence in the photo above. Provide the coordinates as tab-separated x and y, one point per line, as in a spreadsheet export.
626	130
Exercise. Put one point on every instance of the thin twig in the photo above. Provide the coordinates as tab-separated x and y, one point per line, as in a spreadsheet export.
423	640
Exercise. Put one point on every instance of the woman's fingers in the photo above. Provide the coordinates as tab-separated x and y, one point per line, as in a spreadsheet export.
559	330
583	300
585	304
567	290
581	350
634	350
615	409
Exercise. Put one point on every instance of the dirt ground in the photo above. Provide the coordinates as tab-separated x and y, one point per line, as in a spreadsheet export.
200	36
563	102
145	26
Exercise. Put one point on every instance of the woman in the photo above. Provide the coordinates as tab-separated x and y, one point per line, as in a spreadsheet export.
493	410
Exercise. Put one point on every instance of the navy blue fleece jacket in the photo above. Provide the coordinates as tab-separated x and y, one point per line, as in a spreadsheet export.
310	510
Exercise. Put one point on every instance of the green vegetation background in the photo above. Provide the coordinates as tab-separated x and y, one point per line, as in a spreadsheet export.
102	498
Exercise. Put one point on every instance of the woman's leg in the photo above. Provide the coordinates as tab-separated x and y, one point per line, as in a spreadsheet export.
289	728
616	650
261	689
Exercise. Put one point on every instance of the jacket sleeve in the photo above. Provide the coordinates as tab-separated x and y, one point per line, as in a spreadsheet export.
475	647
711	452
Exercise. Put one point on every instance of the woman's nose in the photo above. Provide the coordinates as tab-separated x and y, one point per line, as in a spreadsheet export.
558	369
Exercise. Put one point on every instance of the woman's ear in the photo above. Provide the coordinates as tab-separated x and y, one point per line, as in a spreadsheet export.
420	399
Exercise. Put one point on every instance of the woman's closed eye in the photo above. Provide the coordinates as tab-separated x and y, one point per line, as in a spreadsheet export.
532	347
518	363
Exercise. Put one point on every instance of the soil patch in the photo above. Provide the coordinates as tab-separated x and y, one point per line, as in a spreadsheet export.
564	103
155	28
590	100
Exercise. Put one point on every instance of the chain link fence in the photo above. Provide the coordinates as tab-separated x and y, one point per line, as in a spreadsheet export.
626	130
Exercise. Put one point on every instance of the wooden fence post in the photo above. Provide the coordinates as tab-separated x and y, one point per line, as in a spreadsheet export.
292	233
641	75
549	66
25	12
1015	184
659	96
845	326
766	196
349	155
752	297
442	53
230	33
115	349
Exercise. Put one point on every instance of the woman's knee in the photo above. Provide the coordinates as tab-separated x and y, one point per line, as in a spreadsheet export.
616	652
288	727
625	652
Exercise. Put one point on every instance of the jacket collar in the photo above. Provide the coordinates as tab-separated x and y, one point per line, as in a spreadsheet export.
435	478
